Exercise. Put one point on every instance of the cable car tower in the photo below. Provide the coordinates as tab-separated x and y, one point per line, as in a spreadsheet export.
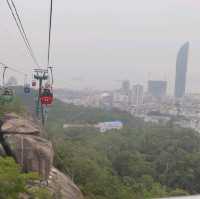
40	75
6	93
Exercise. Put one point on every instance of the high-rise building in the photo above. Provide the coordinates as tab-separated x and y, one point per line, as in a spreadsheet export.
157	88
181	71
126	87
137	95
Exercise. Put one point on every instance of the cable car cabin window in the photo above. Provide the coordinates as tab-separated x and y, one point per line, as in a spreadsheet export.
47	93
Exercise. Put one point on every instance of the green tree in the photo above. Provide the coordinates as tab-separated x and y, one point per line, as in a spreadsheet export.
12	181
39	193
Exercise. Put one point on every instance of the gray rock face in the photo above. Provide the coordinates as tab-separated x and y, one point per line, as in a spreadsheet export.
32	153
2	152
13	124
35	154
65	188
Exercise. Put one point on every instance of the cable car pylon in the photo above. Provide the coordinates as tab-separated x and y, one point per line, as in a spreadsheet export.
40	75
6	94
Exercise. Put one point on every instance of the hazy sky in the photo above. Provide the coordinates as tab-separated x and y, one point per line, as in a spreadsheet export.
102	41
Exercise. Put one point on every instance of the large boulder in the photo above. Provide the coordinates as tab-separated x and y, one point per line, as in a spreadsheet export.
32	153
14	124
21	139
63	186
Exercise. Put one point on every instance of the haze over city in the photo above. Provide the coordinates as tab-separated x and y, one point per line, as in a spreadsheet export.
99	99
96	43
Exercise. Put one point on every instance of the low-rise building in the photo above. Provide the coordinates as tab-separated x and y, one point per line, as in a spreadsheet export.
106	126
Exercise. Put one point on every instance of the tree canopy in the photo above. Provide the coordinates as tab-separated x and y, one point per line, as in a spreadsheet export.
140	161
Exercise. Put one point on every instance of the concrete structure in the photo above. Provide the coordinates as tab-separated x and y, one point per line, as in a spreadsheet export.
66	126
106	126
181	71
157	88
137	95
125	87
120	101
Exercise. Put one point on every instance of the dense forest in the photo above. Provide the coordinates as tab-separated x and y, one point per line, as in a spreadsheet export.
141	161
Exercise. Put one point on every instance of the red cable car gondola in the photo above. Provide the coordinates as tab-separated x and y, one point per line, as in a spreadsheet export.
33	83
46	97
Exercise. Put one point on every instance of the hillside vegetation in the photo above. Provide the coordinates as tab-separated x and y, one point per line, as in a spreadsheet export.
140	161
15	106
15	184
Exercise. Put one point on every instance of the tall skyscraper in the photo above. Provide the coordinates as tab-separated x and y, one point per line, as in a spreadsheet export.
181	71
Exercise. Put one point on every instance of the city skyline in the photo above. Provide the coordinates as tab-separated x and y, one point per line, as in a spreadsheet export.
97	43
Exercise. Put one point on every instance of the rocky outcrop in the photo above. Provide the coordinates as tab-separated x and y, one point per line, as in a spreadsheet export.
63	185
13	124
32	153
2	152
21	139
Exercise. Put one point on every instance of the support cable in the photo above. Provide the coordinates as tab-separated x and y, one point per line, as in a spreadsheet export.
20	27
25	35
52	79
50	27
12	69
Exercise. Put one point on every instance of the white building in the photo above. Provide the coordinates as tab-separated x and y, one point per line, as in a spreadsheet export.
106	126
